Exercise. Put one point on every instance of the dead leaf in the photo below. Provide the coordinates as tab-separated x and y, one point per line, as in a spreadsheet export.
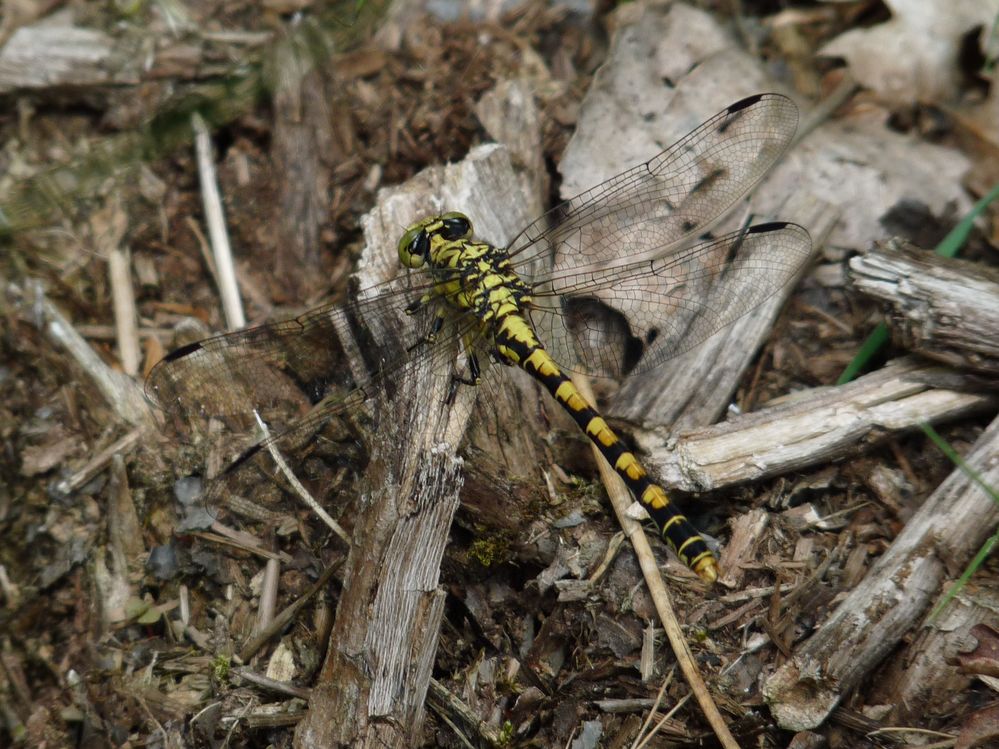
914	56
984	659
981	728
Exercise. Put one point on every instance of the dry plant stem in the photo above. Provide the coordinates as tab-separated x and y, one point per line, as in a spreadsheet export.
280	621
297	485
937	542
184	597
647	659
215	216
944	308
626	705
125	315
459	712
268	593
98	332
667	680
238	540
621	499
10	591
124	528
662	721
272	685
100	460
816	426
121	392
114	572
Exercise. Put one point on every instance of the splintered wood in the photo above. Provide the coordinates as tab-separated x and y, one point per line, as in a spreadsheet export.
943	308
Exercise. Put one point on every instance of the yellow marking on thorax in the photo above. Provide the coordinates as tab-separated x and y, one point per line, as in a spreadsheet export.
482	281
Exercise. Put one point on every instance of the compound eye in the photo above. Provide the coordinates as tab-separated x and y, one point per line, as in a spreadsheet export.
414	248
455	226
420	245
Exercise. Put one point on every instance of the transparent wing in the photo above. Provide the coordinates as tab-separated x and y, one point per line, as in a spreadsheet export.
279	366
654	208
632	318
298	376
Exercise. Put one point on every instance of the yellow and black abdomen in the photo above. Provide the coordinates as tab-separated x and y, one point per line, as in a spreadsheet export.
517	343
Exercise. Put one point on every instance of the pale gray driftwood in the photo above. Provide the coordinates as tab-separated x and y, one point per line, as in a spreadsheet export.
56	53
814	427
899	589
943	308
650	93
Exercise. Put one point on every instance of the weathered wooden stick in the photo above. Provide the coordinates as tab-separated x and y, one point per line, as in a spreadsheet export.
943	308
815	426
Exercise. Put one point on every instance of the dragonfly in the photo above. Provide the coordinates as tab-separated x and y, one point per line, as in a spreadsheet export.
610	283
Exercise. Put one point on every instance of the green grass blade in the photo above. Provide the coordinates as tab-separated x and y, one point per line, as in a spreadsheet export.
957	460
868	350
956	237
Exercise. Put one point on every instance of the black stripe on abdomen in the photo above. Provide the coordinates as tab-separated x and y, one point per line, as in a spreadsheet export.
674	527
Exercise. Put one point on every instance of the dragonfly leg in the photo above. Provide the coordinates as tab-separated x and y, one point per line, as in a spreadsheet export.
474	378
431	335
415	306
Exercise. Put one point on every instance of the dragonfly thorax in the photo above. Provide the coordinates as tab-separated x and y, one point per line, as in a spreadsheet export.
467	275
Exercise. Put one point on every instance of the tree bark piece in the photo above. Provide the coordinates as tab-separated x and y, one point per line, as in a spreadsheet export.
874	617
944	308
122	394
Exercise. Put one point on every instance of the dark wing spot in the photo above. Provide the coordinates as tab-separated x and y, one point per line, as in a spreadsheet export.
771	226
743	103
735	112
180	353
707	180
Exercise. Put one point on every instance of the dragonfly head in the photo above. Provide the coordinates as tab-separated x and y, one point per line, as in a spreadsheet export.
418	240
